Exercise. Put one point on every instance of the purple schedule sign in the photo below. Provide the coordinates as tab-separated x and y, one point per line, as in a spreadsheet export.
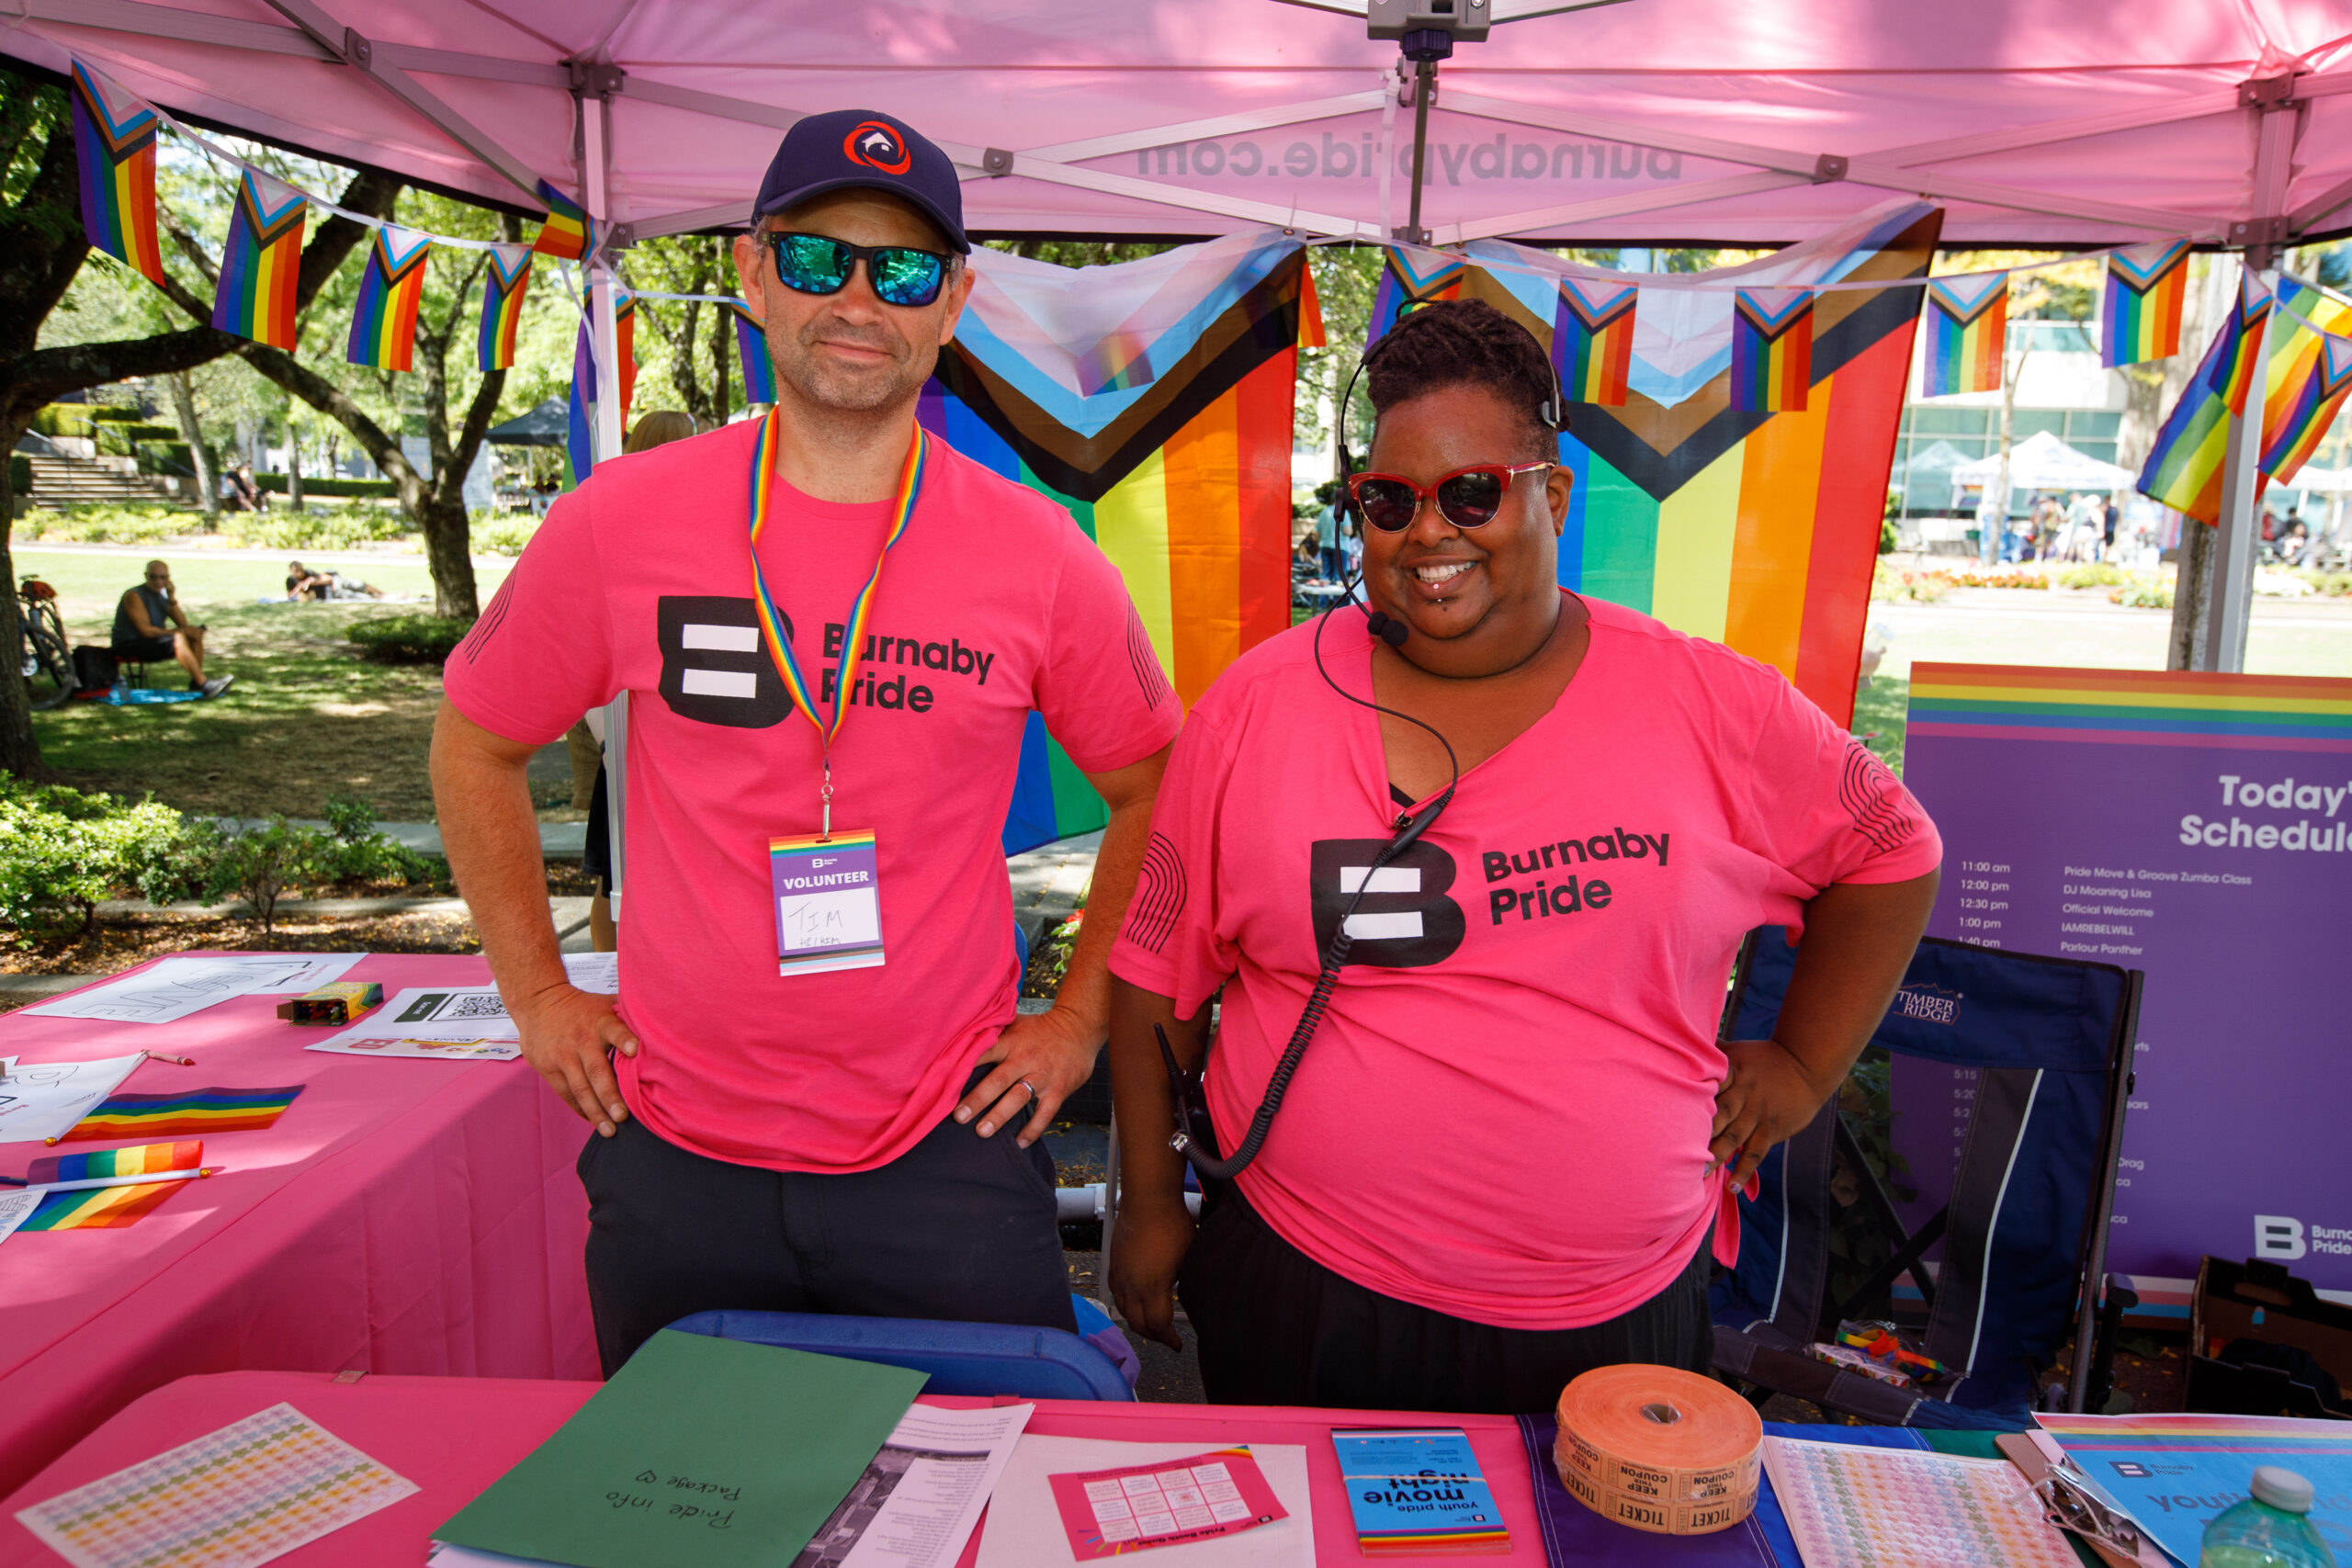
2197	828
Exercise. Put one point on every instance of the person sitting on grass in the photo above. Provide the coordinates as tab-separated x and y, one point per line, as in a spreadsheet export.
244	495
149	626
302	584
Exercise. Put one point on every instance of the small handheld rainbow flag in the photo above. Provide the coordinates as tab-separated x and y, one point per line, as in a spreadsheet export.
2240	344
1411	278
114	148
752	348
108	1208
170	1115
2139	315
503	284
1592	340
569	233
1771	350
383	326
255	299
2315	389
1967	332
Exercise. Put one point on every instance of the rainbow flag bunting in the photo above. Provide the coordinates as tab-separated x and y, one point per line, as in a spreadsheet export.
2301	390
1757	530
383	327
569	233
2241	341
2313	390
1967	332
1182	479
1410	278
171	1115
2140	313
259	263
1592	340
503	284
114	147
2133	707
1771	350
108	1208
585	455
751	348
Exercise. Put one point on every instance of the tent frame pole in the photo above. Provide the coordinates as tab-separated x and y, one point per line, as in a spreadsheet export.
597	130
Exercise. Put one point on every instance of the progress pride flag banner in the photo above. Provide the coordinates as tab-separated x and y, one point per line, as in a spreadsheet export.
2198	827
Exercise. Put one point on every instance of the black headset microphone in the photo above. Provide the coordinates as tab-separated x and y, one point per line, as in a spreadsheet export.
1186	1087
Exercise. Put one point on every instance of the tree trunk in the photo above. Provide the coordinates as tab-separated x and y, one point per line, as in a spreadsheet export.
448	546
2192	588
192	431
1993	513
19	752
722	351
293	468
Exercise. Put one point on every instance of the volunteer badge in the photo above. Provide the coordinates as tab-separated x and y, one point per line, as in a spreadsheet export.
828	903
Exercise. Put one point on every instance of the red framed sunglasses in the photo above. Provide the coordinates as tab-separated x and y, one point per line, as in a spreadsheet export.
1467	497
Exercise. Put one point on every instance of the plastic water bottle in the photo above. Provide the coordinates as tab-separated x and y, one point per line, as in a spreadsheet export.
2270	1529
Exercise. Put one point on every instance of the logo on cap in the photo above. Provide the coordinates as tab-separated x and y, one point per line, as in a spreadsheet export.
877	146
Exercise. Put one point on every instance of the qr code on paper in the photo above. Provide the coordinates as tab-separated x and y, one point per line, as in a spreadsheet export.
476	1007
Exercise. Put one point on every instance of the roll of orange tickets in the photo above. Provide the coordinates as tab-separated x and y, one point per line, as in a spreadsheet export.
1659	1448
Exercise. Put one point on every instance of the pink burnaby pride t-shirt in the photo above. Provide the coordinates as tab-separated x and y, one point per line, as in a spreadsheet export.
992	603
1505	1114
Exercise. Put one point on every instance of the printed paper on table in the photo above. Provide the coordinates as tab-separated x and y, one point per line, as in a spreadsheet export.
456	1023
2174	1475
594	972
171	989
1858	1507
41	1101
240	1496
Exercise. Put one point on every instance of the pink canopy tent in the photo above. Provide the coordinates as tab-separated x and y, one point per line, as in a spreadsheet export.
2032	122
1738	121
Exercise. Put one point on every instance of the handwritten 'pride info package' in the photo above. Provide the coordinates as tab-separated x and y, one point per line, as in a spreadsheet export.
709	1451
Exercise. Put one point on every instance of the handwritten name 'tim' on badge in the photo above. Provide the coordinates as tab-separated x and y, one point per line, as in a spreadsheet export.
828	903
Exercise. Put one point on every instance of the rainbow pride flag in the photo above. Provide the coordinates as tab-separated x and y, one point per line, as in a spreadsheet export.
1757	530
1967	332
1410	278
2139	315
259	263
114	150
1183	477
503	283
2133	707
108	1208
569	233
1592	340
2301	390
2240	342
170	1115
751	348
1771	350
383	325
582	444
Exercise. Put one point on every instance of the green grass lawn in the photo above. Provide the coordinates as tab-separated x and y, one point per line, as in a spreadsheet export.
306	718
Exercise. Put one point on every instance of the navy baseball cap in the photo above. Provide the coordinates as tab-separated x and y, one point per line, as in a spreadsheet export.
861	147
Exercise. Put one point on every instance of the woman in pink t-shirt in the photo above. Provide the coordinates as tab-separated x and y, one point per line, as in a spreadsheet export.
1509	1144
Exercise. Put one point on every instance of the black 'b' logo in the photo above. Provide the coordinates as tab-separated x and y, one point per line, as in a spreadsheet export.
1405	920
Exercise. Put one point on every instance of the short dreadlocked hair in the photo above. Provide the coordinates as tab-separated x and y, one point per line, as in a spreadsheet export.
1466	343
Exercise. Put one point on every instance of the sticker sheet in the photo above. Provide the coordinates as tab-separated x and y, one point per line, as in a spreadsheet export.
1858	1507
1108	1512
238	1498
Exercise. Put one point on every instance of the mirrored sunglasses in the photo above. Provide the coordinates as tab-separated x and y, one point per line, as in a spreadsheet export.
1467	497
817	263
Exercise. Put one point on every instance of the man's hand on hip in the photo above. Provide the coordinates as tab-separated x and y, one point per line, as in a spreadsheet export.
568	1034
1040	1061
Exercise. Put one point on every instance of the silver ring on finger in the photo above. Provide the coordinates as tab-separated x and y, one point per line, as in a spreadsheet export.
1025	1082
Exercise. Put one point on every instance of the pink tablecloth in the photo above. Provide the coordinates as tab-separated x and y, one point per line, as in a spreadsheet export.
403	1216
455	1436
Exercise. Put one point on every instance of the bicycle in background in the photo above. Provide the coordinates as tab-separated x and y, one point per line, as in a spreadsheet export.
41	635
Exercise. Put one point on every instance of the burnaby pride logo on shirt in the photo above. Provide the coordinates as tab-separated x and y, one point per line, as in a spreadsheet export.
714	669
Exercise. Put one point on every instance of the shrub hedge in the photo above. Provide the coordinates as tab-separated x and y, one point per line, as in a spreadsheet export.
408	639
275	485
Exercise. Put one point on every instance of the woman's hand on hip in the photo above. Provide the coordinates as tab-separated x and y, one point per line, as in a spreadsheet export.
567	1035
1040	1060
1148	1247
1767	1095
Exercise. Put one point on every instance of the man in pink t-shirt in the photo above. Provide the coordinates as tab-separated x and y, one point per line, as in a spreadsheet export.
1504	1149
832	629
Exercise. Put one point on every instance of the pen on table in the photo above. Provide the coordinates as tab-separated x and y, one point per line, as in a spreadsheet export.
87	1183
176	1061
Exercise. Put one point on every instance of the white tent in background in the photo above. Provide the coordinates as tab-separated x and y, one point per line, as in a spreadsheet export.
2323	482
2041	461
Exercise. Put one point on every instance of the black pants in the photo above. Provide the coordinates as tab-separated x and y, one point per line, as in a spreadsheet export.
1276	1328
959	1226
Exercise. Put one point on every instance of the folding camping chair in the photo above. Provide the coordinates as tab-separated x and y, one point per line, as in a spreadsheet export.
984	1359
2024	1235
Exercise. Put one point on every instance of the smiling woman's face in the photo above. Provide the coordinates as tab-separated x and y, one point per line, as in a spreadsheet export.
1480	599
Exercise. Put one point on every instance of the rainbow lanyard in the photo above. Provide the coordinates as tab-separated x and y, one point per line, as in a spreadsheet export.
902	511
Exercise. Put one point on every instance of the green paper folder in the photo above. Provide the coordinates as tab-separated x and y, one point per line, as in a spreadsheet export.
700	1454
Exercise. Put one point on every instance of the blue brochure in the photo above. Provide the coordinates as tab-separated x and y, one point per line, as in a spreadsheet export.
1417	1492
